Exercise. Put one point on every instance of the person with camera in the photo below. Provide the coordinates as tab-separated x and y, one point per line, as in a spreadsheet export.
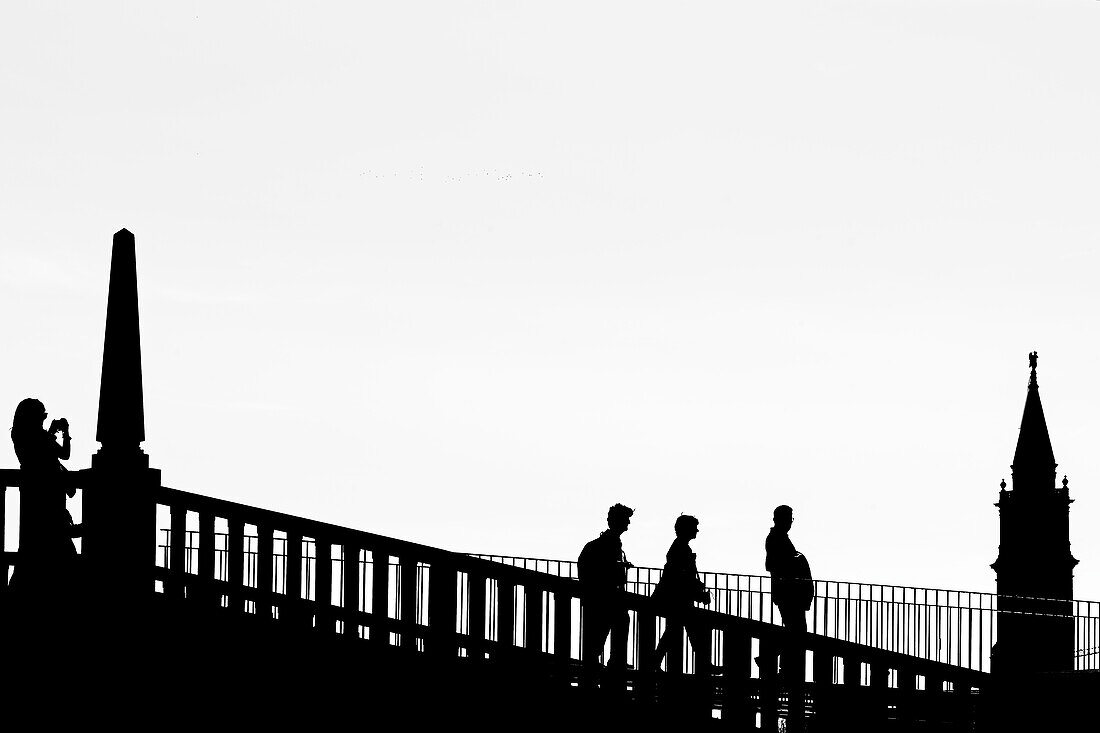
678	591
47	554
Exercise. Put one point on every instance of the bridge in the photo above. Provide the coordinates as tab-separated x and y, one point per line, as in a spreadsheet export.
195	606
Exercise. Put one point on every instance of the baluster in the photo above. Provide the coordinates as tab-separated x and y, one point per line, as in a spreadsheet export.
877	699
853	697
351	590
408	603
958	702
933	699
442	582
645	636
380	599
505	617
235	560
177	549
794	673
206	559
291	611
906	697
323	585
770	647
701	682
532	608
823	688
476	648
737	712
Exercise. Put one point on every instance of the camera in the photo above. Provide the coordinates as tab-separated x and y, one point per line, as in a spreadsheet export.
59	425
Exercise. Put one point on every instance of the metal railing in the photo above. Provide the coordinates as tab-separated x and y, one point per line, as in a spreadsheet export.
951	626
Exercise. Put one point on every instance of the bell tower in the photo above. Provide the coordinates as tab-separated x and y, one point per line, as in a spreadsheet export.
1034	566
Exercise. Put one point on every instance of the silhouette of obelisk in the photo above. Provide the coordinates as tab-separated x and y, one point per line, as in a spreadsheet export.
119	505
1034	566
121	426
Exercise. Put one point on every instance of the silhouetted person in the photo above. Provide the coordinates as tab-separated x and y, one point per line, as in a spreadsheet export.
47	555
792	587
601	569
678	591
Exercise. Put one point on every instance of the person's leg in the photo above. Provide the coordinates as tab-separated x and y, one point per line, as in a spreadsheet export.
619	626
597	624
794	621
697	635
673	630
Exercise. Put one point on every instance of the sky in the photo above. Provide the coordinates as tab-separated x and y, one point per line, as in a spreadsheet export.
467	273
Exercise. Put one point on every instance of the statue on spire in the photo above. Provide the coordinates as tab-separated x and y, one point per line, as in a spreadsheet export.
1033	359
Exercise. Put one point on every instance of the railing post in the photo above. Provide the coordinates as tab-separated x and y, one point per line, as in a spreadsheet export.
323	584
532	610
177	552
291	610
234	572
265	564
506	591
408	602
351	590
877	702
442	582
702	684
823	689
475	648
645	635
737	713
208	588
907	687
853	697
770	648
933	700
380	599
794	673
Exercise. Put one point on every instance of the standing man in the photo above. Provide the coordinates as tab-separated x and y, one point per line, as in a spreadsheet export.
601	569
792	585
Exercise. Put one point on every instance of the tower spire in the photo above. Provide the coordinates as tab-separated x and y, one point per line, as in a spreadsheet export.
1033	465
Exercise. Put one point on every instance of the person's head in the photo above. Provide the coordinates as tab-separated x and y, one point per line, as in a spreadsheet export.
29	415
618	518
686	526
783	516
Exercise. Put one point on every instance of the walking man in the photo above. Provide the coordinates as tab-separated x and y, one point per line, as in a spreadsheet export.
601	570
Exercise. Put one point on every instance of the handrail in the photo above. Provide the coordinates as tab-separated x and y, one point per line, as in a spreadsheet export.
719	573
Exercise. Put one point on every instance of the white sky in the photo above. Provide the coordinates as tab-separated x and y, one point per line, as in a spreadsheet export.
467	273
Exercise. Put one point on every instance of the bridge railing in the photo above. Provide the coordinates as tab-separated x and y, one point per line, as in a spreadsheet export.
951	626
378	590
9	513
